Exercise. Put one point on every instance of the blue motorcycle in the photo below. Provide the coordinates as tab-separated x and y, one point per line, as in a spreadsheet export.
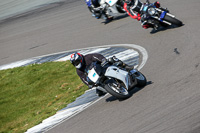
157	16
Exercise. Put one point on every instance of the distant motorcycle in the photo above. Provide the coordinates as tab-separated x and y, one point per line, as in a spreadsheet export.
109	8
157	16
114	79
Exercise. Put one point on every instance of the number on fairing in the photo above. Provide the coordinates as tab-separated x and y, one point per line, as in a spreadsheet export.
145	8
93	75
111	2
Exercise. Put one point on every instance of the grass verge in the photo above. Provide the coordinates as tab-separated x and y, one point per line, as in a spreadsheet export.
32	93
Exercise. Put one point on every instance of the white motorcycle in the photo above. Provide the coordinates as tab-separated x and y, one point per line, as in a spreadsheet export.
114	79
110	8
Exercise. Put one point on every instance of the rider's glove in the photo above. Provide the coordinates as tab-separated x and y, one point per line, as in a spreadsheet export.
104	61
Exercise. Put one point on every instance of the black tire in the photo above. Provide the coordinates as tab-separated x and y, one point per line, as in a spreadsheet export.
173	20
120	6
109	88
141	79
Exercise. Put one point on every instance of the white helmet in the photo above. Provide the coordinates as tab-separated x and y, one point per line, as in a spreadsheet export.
77	60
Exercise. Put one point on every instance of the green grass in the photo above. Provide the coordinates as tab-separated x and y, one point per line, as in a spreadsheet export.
32	93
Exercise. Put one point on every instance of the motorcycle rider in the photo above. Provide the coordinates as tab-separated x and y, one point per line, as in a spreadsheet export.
97	10
82	62
133	9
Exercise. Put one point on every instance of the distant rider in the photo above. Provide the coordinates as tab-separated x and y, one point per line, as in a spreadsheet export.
82	62
133	9
98	10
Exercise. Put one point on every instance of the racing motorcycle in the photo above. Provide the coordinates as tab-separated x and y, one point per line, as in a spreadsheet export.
157	16
109	8
114	79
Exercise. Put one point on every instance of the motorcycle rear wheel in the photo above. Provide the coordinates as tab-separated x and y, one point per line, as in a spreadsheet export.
118	92
173	20
120	8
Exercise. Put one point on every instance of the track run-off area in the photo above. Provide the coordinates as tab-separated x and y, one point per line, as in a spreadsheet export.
133	55
170	103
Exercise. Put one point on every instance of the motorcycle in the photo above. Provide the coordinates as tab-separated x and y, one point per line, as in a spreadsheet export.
114	79
108	8
157	16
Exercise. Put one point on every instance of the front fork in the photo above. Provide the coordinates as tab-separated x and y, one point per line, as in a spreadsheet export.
163	14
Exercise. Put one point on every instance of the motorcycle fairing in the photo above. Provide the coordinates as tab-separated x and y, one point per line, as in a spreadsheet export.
117	73
162	15
111	8
111	2
112	11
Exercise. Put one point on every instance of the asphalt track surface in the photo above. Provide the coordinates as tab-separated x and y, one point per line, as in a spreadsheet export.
170	103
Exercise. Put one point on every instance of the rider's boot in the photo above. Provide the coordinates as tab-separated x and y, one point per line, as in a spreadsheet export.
156	27
155	24
108	19
100	92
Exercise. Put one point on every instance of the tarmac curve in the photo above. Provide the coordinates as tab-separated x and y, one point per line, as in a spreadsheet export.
171	101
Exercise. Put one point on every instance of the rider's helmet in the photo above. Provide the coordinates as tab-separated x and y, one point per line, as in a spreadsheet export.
77	60
157	4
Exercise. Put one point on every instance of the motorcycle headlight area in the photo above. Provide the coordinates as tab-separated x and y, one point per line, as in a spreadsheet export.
151	11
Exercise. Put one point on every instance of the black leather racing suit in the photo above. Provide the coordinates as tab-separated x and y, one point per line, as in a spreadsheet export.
87	60
95	57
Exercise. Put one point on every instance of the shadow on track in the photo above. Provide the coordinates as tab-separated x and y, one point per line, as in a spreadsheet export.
164	28
133	91
115	19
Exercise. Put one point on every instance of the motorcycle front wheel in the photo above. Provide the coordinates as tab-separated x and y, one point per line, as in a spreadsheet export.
141	79
117	90
173	20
